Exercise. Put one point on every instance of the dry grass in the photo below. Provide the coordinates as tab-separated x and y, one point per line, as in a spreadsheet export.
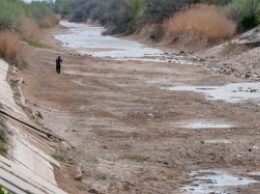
12	49
233	48
200	21
30	29
31	33
50	21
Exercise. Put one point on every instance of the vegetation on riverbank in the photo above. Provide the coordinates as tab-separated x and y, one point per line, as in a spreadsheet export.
2	191
163	18
12	49
200	21
3	139
19	22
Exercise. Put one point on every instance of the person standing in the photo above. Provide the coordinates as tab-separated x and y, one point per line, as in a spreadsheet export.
58	64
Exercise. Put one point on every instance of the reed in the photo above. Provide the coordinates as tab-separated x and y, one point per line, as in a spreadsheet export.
200	21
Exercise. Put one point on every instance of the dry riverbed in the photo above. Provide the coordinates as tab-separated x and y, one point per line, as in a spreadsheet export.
136	126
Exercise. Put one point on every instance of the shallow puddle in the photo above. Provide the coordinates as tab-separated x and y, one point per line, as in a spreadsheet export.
215	141
87	39
216	182
232	93
205	125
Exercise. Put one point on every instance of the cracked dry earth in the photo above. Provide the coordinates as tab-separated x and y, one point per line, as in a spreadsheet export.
125	128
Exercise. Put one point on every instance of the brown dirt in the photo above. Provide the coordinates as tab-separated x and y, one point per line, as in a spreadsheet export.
237	59
123	125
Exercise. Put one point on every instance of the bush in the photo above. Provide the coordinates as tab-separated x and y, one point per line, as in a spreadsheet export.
97	13
11	48
49	21
155	11
17	19
239	8
30	29
128	16
83	10
215	2
2	191
61	156
114	14
244	13
3	141
63	6
119	16
38	10
11	14
3	147
137	7
248	22
201	21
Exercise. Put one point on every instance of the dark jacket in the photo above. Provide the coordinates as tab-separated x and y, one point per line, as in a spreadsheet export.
58	61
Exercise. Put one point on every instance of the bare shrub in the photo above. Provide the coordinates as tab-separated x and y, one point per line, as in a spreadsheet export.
233	48
30	29
118	17
12	49
82	10
154	32
114	15
49	21
201	21
157	10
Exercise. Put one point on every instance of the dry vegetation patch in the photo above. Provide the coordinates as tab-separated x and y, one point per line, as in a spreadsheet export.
49	21
30	29
200	21
233	48
12	48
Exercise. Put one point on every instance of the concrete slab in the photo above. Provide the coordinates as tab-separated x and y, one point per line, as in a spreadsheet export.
27	175
18	182
6	93
11	187
29	166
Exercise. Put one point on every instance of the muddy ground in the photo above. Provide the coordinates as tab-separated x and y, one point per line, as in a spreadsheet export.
124	127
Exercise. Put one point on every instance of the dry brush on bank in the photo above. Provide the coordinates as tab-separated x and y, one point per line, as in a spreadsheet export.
49	21
200	22
208	20
21	22
12	43
12	48
30	29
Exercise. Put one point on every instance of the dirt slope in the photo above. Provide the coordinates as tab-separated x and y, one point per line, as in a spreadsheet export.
124	126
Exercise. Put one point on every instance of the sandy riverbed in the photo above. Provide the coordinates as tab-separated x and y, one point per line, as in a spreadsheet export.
125	127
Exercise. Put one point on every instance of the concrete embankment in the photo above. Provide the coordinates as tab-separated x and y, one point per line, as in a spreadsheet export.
28	166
